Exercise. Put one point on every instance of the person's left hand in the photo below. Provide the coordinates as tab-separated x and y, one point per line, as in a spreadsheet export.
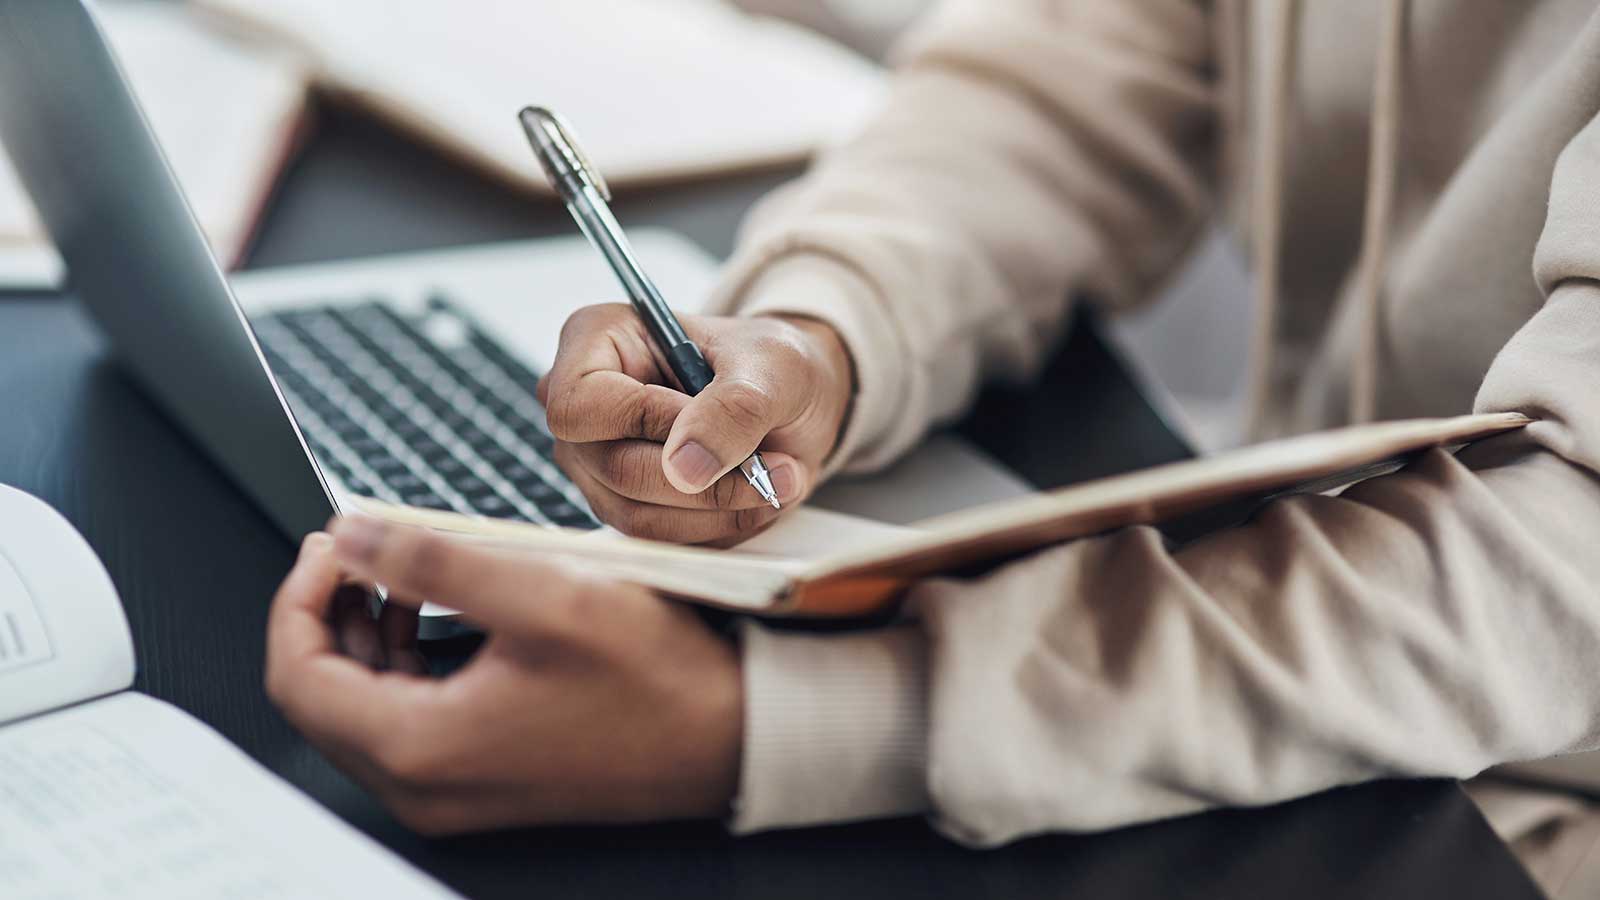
590	702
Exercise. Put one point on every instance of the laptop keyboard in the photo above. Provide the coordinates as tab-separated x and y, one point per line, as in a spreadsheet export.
427	411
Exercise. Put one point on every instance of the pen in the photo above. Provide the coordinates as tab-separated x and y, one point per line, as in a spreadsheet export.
587	198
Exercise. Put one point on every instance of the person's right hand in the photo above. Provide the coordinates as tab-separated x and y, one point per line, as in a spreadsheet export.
655	463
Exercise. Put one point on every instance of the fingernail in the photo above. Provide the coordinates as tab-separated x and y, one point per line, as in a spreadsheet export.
695	465
356	538
316	542
786	482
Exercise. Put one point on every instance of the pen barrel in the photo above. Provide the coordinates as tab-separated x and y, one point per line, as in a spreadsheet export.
690	366
595	220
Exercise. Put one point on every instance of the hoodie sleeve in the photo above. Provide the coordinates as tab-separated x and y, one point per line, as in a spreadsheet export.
943	242
1433	622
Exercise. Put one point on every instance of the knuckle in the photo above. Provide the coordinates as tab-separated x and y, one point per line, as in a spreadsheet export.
631	469
610	465
561	411
582	321
725	493
782	342
748	520
637	416
633	520
586	610
427	561
743	402
619	468
659	409
648	523
407	760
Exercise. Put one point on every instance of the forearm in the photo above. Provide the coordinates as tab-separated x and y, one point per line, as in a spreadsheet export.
1022	158
1420	625
1433	622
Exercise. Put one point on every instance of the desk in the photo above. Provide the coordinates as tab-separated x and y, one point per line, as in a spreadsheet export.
196	564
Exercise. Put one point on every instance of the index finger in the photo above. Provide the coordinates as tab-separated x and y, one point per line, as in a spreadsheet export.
610	406
520	594
606	382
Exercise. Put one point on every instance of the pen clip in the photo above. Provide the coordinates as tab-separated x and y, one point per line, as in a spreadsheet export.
559	152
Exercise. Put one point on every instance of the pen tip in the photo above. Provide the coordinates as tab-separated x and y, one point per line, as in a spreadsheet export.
755	471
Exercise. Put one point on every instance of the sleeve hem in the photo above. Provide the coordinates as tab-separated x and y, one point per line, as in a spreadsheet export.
835	728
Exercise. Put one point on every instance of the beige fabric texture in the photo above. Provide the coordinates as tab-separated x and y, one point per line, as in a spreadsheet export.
1437	621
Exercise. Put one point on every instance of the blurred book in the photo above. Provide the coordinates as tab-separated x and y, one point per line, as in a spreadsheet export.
227	112
659	90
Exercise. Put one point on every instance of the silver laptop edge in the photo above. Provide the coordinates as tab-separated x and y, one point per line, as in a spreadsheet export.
136	257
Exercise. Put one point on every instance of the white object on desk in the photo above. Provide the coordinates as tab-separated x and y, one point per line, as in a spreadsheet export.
124	795
227	113
657	90
63	637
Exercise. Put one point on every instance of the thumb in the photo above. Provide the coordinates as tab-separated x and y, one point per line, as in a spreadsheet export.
717	431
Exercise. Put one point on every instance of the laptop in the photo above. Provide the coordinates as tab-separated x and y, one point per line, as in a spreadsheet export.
409	378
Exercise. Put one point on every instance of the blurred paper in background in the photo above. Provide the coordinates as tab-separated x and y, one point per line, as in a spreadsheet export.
227	113
659	90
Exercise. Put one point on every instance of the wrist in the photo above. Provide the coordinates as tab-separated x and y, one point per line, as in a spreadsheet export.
715	729
835	368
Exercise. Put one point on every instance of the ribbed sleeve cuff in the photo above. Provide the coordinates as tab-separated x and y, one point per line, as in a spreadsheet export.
835	728
818	287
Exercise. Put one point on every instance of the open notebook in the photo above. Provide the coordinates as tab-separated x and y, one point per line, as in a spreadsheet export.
822	564
109	793
227	112
657	89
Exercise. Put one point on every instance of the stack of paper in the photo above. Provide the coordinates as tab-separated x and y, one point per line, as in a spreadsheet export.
656	89
227	112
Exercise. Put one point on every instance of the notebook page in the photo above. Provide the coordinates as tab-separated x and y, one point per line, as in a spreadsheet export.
63	637
656	90
128	797
808	534
748	576
225	111
1153	495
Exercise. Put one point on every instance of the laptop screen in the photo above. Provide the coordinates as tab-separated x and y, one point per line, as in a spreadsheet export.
136	258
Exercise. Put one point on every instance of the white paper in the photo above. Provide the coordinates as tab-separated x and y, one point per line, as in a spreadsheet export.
224	110
655	89
63	636
809	533
130	798
24	642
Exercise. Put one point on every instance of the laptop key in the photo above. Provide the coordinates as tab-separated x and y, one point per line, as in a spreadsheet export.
470	433
426	499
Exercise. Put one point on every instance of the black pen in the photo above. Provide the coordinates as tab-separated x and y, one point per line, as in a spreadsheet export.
587	196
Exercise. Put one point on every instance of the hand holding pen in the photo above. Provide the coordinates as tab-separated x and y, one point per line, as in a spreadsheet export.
785	387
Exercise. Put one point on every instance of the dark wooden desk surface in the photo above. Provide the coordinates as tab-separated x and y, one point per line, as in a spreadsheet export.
196	564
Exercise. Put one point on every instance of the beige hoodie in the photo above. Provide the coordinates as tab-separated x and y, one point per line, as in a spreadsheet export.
1433	622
